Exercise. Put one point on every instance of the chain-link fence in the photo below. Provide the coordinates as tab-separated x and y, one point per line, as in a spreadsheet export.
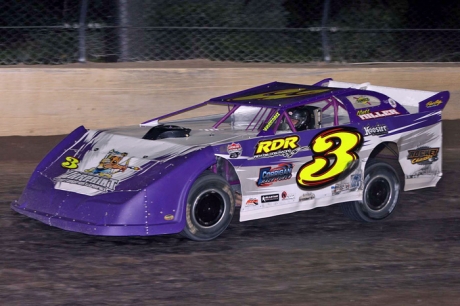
295	31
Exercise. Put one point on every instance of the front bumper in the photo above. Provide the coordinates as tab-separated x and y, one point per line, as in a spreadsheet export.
115	214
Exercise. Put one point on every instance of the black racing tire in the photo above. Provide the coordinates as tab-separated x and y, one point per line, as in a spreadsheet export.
210	207
380	194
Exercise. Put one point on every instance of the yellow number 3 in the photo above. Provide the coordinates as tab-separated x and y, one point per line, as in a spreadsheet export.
334	156
70	163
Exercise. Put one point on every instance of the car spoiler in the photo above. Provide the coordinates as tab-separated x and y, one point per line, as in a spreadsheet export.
435	102
413	100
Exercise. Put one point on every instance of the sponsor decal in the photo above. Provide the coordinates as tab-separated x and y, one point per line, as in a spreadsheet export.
252	202
367	114
363	112
99	177
423	155
433	103
355	181
169	217
338	188
270	198
272	120
335	155
111	164
234	150
286	196
269	175
285	147
392	103
362	100
334	190
70	163
379	129
281	94
89	180
307	196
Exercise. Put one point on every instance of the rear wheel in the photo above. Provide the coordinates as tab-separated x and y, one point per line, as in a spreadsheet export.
210	207
380	194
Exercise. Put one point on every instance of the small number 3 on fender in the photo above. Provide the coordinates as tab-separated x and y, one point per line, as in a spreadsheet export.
335	155
70	163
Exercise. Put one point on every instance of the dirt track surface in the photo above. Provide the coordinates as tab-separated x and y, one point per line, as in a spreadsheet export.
316	257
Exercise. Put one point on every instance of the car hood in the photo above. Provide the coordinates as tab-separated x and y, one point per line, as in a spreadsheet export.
115	159
198	136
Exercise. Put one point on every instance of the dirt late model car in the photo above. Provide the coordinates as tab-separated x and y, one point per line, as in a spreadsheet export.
277	148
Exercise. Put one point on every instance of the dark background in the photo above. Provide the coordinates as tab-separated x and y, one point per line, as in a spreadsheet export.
292	31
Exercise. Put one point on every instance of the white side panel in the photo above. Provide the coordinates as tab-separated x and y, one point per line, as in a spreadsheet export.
282	207
420	156
283	196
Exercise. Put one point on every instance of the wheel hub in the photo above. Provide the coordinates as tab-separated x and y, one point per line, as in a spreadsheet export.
378	193
209	208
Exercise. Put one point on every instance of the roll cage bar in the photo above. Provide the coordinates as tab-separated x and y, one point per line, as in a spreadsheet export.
265	127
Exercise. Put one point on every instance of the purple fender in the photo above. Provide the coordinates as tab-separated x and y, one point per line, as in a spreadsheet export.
155	206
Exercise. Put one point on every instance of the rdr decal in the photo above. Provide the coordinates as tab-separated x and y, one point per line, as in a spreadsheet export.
286	147
269	175
335	155
367	114
423	155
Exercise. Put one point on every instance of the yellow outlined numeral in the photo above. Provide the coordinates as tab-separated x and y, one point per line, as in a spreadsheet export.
70	163
334	155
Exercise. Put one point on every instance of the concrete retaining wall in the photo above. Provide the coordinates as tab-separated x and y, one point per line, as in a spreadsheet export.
55	100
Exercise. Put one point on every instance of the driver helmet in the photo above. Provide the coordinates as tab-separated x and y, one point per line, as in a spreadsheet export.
298	117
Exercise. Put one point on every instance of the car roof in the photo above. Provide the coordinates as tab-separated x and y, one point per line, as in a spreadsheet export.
278	94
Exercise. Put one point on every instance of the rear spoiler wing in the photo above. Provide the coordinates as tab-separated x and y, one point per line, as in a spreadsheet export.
435	102
412	99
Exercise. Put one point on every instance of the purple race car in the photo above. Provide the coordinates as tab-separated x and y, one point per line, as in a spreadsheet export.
277	148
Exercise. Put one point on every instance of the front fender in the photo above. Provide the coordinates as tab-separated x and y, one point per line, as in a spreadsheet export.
166	196
155	205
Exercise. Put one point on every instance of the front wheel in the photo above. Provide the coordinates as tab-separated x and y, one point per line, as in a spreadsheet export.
210	207
380	195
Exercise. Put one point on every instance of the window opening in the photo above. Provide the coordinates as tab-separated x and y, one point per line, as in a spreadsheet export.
231	111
